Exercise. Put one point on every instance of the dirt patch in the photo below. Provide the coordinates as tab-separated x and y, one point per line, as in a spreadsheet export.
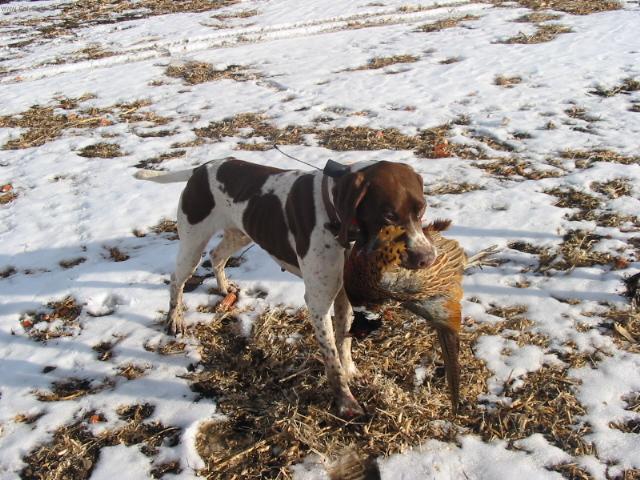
194	73
446	23
57	319
543	33
381	62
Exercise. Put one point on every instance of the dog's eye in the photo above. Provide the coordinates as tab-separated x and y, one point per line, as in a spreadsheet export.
390	217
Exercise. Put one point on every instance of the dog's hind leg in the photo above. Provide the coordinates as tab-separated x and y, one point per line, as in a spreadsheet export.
232	241
193	241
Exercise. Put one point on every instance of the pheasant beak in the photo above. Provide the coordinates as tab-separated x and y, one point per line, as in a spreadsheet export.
450	346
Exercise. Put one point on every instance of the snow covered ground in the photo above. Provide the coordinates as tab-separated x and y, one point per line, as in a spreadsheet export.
550	172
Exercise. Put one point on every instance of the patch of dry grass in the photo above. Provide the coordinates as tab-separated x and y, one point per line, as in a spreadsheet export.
6	272
575	7
74	450
116	255
503	81
104	350
194	73
42	124
623	325
588	206
538	17
514	168
453	188
628	85
72	388
57	319
64	19
381	62
577	250
446	23
71	262
275	395
72	453
543	33
240	14
172	347
131	371
153	163
586	158
273	391
101	150
618	187
253	125
580	113
8	197
450	60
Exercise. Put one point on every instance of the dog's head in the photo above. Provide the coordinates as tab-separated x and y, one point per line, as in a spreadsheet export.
385	193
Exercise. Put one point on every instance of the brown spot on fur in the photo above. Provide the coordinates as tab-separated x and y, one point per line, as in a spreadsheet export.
197	199
301	214
263	221
242	180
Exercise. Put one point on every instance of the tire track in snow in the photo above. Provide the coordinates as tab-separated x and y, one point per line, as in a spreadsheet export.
235	37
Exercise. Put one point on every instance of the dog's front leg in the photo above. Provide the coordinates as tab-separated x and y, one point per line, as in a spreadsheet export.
321	290
343	317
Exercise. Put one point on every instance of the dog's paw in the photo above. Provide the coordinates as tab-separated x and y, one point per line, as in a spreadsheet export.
350	409
175	322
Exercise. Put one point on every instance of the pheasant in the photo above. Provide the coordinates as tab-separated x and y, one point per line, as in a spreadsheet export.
375	277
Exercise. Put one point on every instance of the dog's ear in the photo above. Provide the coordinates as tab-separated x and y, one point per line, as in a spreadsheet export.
349	191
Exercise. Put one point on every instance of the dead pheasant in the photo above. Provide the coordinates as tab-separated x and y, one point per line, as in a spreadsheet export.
375	277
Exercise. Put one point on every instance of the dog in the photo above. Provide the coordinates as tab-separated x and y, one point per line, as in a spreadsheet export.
305	220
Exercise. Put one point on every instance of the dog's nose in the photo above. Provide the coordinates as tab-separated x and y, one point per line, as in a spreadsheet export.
420	258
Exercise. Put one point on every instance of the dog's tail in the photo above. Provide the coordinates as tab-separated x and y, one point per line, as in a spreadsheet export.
164	177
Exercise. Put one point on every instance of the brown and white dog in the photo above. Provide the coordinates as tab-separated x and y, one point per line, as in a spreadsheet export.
304	220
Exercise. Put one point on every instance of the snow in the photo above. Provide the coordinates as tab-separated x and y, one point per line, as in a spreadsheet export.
69	206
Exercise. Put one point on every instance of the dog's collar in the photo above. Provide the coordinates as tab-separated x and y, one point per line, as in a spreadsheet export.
334	223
